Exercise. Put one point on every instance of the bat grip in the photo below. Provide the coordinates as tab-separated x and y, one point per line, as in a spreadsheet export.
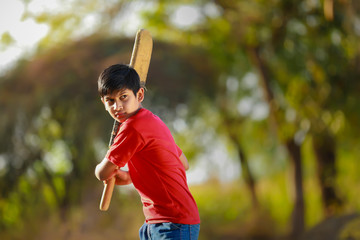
115	129
109	186
107	194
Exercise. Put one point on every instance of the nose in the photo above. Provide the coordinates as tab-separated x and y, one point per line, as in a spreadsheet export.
117	106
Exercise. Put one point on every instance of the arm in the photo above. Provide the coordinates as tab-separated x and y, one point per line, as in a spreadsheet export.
110	174
122	177
184	161
106	170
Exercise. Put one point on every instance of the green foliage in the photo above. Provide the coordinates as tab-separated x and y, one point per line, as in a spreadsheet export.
204	82
56	120
6	40
303	66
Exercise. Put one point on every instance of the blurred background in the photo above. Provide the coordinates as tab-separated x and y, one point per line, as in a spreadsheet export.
262	96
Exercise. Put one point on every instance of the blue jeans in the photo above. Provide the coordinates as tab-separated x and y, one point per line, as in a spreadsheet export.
168	230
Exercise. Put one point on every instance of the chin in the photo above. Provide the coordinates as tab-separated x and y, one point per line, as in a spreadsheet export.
121	120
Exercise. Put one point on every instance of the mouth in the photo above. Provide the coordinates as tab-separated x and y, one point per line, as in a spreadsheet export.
120	115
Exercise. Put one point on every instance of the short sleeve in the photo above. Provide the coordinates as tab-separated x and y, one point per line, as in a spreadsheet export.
126	144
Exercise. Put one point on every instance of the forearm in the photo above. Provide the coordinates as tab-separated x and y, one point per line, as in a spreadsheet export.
122	177
106	170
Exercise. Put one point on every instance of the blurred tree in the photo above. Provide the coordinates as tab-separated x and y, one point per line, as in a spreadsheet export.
54	126
305	56
302	58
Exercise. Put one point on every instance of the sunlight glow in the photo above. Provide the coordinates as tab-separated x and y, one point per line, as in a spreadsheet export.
25	32
186	15
28	32
38	6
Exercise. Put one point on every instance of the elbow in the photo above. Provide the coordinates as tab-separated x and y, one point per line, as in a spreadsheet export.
184	161
99	174
186	166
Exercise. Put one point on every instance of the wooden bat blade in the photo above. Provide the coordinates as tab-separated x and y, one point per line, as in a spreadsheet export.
141	55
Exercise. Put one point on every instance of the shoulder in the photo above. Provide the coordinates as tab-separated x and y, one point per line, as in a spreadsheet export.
145	120
142	115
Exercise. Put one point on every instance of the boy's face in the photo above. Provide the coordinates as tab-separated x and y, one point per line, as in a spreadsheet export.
122	104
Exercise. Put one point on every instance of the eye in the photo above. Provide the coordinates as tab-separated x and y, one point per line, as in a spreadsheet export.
110	101
123	97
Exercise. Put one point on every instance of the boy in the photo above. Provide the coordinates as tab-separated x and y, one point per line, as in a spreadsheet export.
156	164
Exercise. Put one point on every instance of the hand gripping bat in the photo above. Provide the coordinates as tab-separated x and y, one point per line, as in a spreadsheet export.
140	61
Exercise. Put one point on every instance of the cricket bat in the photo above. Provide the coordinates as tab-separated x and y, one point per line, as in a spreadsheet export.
140	61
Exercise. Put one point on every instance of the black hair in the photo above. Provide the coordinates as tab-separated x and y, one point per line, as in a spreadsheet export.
116	77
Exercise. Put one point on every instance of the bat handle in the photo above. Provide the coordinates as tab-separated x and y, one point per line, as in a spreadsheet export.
115	129
107	194
109	186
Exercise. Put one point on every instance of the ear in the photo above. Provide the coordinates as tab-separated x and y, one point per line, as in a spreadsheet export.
141	95
103	101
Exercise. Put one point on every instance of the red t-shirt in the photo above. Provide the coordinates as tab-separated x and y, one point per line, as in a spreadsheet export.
146	144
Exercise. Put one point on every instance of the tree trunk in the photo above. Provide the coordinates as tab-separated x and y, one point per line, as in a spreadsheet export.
231	124
324	148
247	175
298	215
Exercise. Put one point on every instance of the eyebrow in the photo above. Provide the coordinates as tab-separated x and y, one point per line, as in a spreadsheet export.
121	92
